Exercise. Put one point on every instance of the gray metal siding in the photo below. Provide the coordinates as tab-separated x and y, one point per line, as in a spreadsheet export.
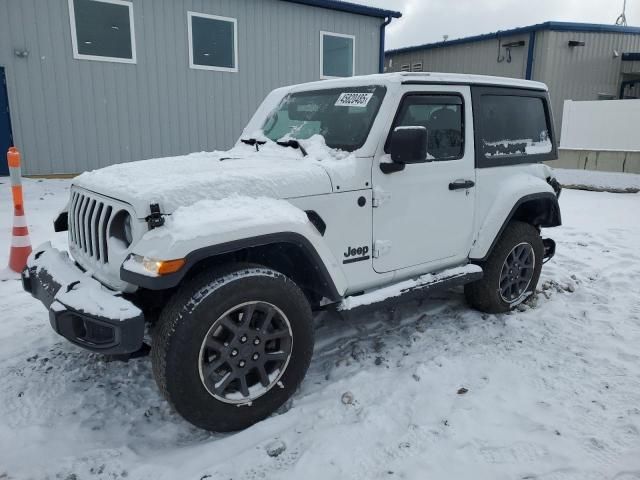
72	115
477	58
581	73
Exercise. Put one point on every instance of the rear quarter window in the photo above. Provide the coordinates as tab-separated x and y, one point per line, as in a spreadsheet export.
512	126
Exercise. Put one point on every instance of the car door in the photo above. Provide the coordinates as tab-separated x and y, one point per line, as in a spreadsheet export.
423	214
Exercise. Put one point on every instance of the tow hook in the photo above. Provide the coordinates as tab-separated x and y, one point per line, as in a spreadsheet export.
156	219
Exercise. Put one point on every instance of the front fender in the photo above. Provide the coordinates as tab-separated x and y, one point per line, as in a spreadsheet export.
210	228
511	194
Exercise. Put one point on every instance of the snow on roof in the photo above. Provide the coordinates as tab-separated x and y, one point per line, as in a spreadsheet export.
420	77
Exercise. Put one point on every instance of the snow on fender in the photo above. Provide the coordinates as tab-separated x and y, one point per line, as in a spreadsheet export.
213	222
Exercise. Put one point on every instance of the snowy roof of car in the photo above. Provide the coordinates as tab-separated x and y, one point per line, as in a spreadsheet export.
417	78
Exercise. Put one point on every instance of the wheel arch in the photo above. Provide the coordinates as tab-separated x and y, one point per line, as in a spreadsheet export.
287	252
540	209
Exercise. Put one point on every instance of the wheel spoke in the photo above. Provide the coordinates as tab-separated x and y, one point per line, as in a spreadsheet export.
244	388
247	314
214	344
211	368
266	320
276	335
264	377
229	324
222	385
276	356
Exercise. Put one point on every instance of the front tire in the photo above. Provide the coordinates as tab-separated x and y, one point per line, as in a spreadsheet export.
232	346
511	272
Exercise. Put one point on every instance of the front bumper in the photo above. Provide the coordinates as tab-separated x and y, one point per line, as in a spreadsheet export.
80	308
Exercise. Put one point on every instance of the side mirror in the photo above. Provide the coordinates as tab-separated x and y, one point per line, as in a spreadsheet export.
409	145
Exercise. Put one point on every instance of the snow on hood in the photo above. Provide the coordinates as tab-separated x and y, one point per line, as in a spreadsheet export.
229	215
172	182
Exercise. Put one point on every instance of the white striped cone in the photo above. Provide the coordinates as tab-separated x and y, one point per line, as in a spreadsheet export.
20	242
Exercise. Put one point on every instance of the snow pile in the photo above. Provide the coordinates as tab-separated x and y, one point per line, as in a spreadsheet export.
517	147
88	296
589	179
228	215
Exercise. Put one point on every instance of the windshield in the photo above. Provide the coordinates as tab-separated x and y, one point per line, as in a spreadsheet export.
343	116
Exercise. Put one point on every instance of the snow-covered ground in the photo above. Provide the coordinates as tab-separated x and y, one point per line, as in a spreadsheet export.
552	390
589	179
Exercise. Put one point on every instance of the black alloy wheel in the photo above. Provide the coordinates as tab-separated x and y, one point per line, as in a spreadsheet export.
245	352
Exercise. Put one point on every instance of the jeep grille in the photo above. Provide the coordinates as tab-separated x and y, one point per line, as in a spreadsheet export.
89	216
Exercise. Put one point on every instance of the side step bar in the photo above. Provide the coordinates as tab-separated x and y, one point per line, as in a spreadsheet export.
407	289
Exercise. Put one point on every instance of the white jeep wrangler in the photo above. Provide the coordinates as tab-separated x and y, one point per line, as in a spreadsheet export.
341	192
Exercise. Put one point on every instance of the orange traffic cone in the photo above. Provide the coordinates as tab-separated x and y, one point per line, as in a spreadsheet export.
20	243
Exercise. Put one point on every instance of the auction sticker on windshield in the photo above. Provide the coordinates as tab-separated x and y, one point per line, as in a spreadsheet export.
353	99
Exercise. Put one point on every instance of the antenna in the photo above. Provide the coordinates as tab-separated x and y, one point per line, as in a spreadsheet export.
622	19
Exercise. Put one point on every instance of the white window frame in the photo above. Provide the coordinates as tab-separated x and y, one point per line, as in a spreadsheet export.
98	58
341	35
195	66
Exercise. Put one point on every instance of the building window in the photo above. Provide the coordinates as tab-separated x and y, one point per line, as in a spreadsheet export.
417	67
405	68
213	42
337	55
102	30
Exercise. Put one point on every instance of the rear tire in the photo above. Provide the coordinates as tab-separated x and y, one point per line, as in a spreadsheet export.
511	272
232	346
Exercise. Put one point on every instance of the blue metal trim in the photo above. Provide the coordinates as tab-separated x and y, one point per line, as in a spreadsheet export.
631	56
349	7
554	26
4	168
530	53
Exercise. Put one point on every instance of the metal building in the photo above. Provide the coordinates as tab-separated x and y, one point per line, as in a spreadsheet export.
577	61
95	82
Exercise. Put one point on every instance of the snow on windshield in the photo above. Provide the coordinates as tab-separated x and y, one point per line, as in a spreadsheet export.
342	116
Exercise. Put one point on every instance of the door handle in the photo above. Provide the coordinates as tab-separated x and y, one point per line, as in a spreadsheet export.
461	185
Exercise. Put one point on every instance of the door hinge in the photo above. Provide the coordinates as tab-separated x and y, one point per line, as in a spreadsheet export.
380	197
381	247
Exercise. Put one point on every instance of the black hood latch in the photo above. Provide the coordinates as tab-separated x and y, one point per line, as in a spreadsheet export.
156	219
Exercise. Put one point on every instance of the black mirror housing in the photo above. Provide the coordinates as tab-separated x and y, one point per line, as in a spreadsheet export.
409	145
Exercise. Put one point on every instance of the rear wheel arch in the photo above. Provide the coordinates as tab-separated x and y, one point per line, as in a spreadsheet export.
541	210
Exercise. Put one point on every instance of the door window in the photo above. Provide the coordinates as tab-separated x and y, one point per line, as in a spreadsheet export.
442	116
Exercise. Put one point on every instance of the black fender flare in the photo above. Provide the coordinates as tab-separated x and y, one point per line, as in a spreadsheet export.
552	217
173	280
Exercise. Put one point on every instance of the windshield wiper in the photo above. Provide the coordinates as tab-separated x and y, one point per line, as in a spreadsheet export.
293	144
253	142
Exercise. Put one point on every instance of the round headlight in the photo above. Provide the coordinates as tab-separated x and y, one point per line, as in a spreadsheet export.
122	228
